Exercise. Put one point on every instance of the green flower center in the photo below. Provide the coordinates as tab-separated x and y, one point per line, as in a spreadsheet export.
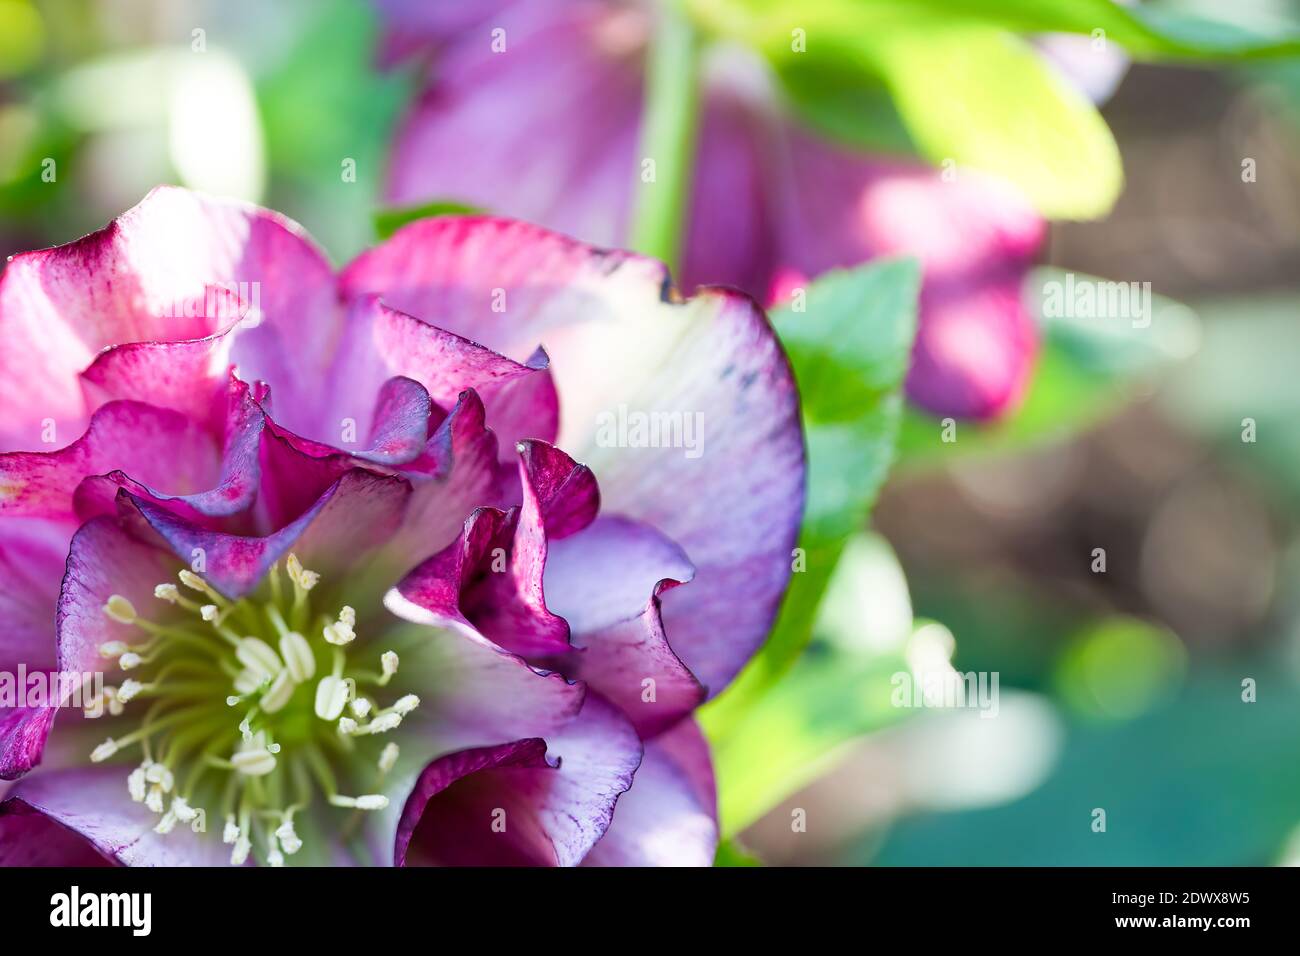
252	708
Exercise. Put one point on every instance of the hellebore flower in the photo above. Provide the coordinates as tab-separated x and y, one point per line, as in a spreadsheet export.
547	130
354	601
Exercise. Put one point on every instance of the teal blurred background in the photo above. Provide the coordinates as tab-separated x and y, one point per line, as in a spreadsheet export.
1120	690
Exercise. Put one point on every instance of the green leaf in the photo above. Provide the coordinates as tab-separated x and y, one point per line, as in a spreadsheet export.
849	347
1145	31
840	689
731	854
389	220
959	81
843	103
972	95
1087	369
980	97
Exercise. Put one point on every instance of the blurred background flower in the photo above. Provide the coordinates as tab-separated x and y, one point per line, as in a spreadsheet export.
772	203
1174	447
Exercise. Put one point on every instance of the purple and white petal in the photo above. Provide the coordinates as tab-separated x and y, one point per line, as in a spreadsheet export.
177	266
606	581
526	802
669	817
93	804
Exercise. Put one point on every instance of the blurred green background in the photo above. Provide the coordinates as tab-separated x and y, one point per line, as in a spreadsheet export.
1120	690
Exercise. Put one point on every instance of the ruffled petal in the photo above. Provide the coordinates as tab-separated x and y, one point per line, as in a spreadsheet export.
490	578
725	477
231	491
482	772
711	368
357	514
527	802
457	474
431	593
669	817
606	582
177	266
561	497
188	376
380	343
473	695
399	429
155	446
504	284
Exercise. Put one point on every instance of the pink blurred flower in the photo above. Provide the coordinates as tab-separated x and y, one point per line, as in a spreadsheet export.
547	131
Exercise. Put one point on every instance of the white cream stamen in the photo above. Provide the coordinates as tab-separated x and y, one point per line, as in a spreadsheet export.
278	694
288	837
404	705
104	751
299	575
135	784
369	801
298	657
258	656
120	609
331	696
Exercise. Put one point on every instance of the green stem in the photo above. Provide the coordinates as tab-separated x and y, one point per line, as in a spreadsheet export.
667	137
